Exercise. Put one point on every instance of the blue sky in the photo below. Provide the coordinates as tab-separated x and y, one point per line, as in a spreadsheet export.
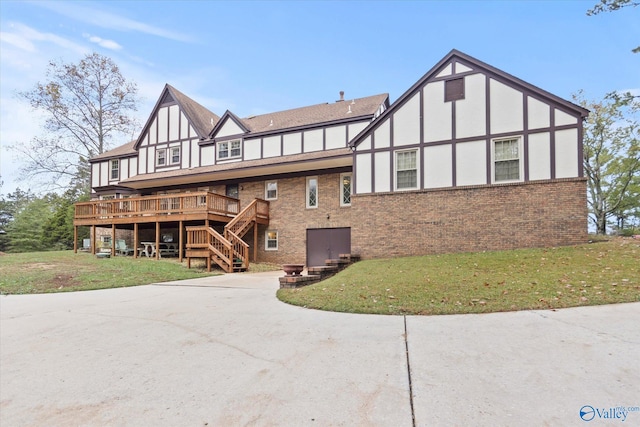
258	57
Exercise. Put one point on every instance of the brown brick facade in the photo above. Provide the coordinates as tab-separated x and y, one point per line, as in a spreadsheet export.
535	214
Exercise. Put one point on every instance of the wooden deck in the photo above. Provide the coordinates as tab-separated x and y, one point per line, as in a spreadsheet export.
164	208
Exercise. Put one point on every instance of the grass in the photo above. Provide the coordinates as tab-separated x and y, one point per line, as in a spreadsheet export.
61	271
591	274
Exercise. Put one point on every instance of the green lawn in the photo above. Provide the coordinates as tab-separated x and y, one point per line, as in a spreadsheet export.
590	274
61	271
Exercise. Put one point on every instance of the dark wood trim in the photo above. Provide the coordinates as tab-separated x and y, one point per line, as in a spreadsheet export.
552	142
525	137
421	169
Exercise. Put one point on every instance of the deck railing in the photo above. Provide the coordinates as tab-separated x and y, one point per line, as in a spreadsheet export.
167	204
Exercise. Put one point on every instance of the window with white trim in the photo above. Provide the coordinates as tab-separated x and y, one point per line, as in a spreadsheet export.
229	149
506	160
115	169
271	240
312	192
271	190
345	189
175	155
161	157
406	169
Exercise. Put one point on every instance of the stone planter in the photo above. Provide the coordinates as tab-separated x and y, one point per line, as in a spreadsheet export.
293	269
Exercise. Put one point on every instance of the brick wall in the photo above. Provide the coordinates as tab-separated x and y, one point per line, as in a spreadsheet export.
536	214
290	217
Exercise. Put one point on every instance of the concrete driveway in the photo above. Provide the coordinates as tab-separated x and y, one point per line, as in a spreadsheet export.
223	351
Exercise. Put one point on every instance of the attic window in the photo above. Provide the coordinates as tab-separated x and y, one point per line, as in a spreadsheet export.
229	149
453	90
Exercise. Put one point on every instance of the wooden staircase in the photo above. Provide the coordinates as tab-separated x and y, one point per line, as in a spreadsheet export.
227	250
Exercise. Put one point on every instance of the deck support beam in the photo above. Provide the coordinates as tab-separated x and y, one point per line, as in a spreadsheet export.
157	240
180	240
93	240
75	239
255	241
113	240
135	240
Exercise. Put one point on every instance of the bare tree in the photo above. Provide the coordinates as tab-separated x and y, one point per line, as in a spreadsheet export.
611	6
87	105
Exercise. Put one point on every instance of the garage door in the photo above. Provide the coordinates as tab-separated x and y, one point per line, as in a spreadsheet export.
327	243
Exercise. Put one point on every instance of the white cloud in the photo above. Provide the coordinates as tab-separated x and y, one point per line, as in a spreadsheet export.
22	37
107	44
110	20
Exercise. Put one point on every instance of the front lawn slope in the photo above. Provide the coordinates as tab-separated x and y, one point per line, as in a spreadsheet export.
591	274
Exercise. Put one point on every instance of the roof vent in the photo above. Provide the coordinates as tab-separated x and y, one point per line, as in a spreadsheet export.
341	96
271	123
211	121
353	102
349	112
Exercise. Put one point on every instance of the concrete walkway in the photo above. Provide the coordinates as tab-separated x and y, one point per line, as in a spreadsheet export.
223	351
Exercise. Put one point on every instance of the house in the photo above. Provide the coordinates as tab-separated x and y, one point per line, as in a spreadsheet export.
469	158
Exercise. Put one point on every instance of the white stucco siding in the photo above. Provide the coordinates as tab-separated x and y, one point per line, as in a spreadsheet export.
561	118
355	129
153	134
406	123
95	174
145	139
184	126
471	163
228	128
142	160
185	154
104	173
336	137
163	120
567	153
437	113
195	154
208	155
174	123
382	135
506	108
313	140
446	71
438	166
538	113
151	160
365	144
252	149
382	178
471	111
363	173
133	167
461	68
292	143
271	147
539	156
124	169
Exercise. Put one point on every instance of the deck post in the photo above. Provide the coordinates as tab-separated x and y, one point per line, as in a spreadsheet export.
75	239
93	240
135	240
113	240
255	241
157	240
181	241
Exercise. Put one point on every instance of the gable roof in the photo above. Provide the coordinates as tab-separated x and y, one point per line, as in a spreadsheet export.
125	150
198	116
228	115
475	65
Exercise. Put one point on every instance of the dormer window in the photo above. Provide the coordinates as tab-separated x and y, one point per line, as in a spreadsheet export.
115	169
175	155
229	149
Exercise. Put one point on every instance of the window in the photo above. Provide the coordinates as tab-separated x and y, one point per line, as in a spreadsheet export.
271	240
312	192
175	155
271	190
229	149
506	155
406	170
345	189
115	169
453	90
161	157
